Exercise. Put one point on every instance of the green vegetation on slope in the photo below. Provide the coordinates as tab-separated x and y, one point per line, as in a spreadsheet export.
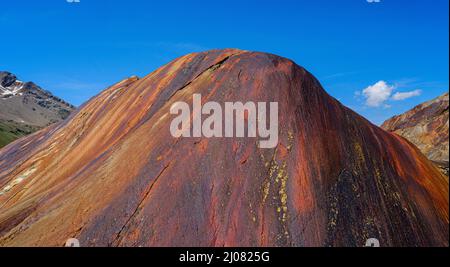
10	131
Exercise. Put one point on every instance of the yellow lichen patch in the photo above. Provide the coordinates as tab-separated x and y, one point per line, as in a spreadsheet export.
378	180
290	140
396	196
282	176
377	172
359	154
273	167
266	188
334	211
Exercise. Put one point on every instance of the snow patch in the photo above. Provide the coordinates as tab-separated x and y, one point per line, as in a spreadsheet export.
12	90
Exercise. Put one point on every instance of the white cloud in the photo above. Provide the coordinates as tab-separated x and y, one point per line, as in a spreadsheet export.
380	93
405	95
376	95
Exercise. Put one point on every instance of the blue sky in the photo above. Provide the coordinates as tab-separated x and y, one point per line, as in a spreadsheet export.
76	50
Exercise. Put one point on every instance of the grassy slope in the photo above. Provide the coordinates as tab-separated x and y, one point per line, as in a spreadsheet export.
10	131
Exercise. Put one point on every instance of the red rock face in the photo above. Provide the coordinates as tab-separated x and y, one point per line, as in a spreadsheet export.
112	175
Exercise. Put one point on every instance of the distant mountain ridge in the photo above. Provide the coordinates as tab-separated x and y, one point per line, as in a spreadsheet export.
25	102
426	126
25	107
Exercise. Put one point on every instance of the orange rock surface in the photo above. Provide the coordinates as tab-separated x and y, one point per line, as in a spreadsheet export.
112	174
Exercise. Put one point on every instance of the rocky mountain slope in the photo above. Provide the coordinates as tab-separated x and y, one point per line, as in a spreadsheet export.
426	126
112	175
25	107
